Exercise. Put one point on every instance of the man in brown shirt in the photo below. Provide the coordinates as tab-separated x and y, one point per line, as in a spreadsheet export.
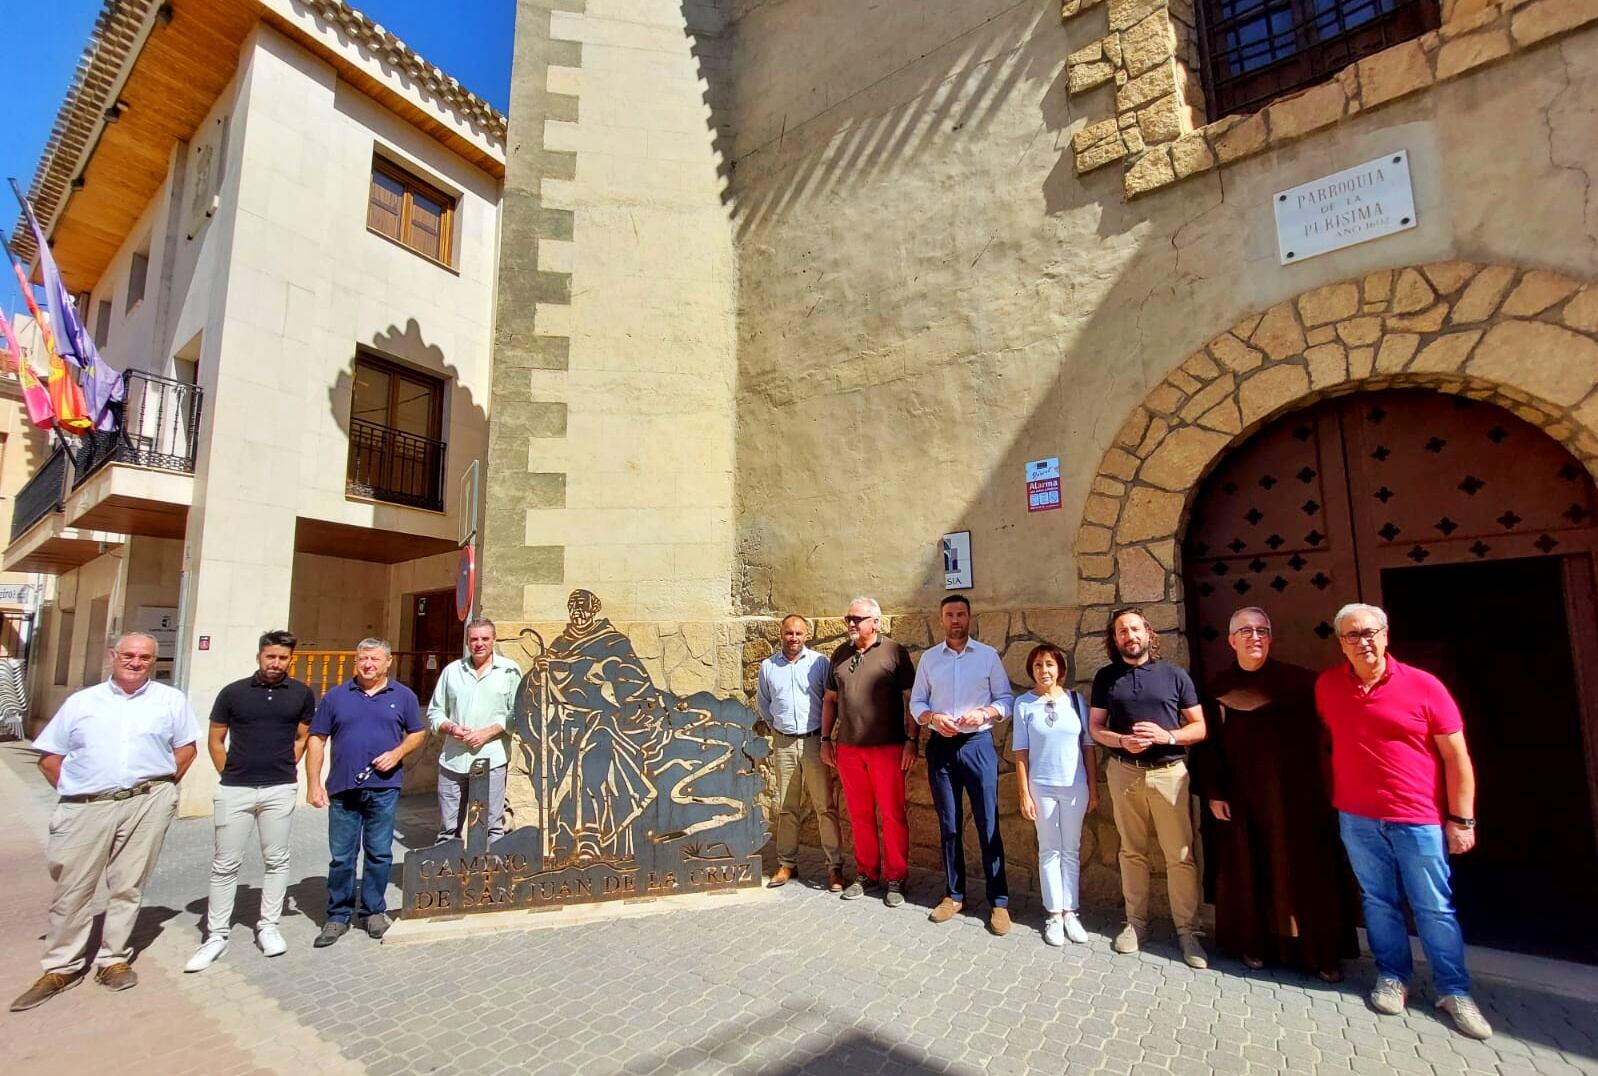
867	733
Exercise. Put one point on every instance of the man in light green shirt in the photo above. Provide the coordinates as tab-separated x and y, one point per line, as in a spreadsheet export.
472	707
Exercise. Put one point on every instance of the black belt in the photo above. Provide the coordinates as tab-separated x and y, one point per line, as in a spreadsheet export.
798	735
1151	763
140	789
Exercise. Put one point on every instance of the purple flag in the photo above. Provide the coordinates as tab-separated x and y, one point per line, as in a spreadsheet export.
102	386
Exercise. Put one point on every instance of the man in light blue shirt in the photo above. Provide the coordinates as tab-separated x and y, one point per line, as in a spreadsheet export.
961	691
472	707
791	686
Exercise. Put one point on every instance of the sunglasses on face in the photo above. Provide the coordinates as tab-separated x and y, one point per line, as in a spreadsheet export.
854	620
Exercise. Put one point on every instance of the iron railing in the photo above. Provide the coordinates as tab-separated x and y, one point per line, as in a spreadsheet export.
44	493
1255	50
160	423
324	669
386	464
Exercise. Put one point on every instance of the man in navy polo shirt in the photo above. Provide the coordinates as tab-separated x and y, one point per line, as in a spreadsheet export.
373	723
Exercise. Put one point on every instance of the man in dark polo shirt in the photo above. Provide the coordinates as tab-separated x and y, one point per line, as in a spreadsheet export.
1146	712
373	723
258	730
867	733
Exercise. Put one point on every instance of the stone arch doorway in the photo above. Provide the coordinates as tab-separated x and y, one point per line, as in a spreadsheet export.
1477	532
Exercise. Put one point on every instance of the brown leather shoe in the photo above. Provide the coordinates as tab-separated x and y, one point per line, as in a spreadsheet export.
780	878
835	882
116	976
946	910
44	988
999	922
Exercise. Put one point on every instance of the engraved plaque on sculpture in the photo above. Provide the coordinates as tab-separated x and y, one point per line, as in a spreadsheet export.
638	793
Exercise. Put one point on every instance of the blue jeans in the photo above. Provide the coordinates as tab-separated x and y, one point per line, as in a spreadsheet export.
357	819
1398	860
968	764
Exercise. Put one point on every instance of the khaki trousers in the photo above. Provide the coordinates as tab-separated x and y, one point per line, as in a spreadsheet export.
119	840
1153	807
803	780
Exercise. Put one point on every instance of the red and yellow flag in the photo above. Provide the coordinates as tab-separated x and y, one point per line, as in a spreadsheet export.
70	412
34	398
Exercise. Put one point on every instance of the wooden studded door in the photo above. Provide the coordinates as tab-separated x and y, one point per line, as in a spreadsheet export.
1475	531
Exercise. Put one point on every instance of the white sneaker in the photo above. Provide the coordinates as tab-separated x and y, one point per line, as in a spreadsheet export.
1053	931
1073	929
1467	1017
270	939
206	954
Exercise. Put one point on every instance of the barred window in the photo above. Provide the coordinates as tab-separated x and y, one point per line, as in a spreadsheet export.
1257	50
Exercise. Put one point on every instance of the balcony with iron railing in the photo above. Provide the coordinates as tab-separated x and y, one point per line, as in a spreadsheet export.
42	494
391	465
159	426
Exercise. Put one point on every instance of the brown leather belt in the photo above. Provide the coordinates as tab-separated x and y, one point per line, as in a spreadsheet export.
140	789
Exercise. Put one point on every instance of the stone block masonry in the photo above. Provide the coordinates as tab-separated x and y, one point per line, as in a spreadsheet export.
1150	55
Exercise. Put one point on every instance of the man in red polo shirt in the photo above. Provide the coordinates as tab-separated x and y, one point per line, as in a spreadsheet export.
1405	794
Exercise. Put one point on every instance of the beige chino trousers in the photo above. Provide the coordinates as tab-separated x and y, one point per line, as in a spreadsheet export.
1153	808
119	840
803	780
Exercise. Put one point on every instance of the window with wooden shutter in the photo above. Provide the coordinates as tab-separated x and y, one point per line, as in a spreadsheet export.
410	211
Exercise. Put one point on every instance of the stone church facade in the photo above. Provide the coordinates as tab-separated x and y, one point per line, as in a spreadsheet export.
792	288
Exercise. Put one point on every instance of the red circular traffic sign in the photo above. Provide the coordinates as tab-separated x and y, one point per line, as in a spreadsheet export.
466	582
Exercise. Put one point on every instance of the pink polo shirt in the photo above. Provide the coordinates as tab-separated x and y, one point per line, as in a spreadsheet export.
1384	764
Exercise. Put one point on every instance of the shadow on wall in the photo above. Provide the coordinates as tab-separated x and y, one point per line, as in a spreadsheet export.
461	413
943	100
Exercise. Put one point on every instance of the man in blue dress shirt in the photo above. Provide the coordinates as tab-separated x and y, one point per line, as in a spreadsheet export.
792	683
961	692
374	723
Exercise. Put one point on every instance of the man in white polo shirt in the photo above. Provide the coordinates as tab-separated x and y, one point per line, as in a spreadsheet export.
114	753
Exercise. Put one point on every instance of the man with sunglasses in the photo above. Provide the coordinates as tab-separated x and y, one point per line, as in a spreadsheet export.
373	723
868	735
1405	793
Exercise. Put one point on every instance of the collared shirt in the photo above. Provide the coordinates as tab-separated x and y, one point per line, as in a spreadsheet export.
1154	691
1053	740
473	703
955	682
1385	765
110	739
870	685
362	727
263	720
789	693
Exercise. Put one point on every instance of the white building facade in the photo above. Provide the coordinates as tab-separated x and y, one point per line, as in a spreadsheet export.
286	224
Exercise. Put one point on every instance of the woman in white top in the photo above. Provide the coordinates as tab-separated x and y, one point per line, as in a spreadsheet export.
1058	776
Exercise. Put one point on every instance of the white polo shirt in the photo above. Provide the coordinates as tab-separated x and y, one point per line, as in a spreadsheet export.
111	739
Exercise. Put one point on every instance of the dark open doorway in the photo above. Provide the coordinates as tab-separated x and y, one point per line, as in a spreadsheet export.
1500	635
437	636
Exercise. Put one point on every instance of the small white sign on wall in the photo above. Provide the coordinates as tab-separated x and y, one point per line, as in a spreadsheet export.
1365	202
957	560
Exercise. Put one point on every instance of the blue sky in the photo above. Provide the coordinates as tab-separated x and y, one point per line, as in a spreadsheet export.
473	43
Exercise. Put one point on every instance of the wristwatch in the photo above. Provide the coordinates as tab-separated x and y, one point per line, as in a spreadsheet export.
1468	823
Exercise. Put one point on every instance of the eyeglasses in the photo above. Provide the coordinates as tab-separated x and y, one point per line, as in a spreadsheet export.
1363	635
1253	632
854	620
1048	711
855	662
361	777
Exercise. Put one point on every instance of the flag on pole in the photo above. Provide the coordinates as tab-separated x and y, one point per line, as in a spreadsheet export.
67	405
34	398
102	386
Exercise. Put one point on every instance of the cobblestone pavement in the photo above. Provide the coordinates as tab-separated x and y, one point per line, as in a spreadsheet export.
801	984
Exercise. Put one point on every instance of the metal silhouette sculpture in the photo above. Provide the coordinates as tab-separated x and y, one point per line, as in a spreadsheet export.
638	793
